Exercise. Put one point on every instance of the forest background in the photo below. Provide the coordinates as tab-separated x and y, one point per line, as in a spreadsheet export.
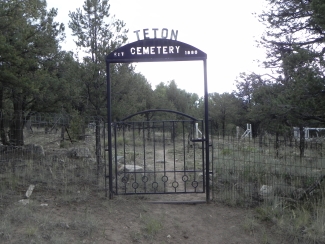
36	75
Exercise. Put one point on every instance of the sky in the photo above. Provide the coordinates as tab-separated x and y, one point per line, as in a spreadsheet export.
225	30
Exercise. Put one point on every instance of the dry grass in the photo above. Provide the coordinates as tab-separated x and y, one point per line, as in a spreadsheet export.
240	169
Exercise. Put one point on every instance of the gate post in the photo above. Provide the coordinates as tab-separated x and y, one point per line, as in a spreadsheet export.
206	125
109	137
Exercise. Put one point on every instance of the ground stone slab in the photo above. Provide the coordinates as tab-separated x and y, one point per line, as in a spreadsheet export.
35	149
30	190
79	152
129	168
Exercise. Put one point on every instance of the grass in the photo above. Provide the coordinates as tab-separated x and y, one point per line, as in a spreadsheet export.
250	224
240	169
86	224
34	224
152	225
5	229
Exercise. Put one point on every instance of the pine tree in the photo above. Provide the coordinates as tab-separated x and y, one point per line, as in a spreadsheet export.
29	40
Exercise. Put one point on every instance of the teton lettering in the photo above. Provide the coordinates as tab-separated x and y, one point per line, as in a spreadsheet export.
164	34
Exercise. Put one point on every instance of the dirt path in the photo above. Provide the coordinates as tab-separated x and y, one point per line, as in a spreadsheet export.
128	219
165	162
136	221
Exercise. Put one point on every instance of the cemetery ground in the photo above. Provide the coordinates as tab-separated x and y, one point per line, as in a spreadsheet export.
69	205
89	217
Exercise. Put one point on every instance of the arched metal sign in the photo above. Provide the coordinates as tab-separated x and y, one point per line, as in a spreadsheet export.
157	50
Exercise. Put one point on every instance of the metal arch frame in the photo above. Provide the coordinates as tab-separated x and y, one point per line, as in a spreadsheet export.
126	54
159	110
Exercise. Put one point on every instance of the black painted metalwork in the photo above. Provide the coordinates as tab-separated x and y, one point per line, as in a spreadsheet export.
162	178
159	110
155	50
158	157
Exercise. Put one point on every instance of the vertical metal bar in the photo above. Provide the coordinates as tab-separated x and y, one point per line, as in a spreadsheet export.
203	165
115	153
105	171
154	153
194	157
164	156
104	145
134	155
124	158
212	163
184	155
109	134
206	122
174	149
144	152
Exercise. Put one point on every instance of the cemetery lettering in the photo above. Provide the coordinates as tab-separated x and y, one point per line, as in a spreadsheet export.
154	50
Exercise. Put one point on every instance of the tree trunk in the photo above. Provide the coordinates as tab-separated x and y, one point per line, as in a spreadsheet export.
223	125
3	135
16	135
173	131
260	138
302	141
148	126
62	133
98	146
254	129
277	144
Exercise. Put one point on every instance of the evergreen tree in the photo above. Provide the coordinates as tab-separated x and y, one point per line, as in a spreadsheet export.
294	41
97	35
29	42
224	110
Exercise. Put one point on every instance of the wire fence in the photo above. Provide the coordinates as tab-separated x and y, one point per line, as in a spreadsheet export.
65	154
59	154
265	169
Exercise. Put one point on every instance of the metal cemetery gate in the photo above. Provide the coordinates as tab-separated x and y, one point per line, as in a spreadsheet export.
147	157
158	157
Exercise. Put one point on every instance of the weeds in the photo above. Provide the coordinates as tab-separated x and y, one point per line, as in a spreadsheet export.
86	225
152	226
136	236
6	229
41	226
240	169
31	231
250	224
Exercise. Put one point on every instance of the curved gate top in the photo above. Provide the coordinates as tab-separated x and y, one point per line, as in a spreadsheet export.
157	50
